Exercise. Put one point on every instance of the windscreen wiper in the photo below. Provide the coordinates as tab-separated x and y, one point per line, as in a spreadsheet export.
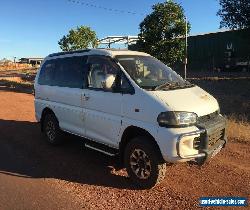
164	85
188	84
174	85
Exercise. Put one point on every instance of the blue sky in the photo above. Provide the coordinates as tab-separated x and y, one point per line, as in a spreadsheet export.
33	27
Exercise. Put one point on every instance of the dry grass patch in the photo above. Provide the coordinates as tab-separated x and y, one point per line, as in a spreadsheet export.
238	130
12	79
15	83
17	66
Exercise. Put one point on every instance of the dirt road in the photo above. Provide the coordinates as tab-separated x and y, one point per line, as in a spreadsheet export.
34	175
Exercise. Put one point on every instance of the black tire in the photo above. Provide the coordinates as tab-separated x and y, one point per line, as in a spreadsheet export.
52	130
152	171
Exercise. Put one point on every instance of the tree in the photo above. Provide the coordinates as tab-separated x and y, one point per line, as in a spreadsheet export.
235	14
162	32
80	38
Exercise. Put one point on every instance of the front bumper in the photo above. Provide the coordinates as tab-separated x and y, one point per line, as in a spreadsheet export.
210	137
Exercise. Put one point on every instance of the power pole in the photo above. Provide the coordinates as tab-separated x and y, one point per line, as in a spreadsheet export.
186	45
15	61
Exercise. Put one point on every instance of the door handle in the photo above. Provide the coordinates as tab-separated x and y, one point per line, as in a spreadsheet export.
85	97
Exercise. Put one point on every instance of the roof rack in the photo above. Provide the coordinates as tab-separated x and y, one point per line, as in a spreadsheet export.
127	40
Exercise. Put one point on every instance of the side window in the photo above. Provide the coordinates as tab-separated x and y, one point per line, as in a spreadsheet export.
102	72
47	73
70	72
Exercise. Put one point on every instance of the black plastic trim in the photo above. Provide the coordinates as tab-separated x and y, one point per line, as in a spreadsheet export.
102	147
212	126
68	52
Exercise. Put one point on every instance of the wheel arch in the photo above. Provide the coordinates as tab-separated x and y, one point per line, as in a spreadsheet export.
45	111
134	131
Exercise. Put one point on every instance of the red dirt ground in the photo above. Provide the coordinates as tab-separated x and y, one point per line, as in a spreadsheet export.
35	175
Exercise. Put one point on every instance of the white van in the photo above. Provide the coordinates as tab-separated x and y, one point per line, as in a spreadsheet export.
129	104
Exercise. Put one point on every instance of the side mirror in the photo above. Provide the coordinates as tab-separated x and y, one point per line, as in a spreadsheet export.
126	89
87	66
116	87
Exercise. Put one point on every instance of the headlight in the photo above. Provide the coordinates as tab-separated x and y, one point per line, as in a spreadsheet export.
177	119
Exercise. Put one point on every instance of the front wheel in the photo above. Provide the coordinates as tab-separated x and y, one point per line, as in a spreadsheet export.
143	162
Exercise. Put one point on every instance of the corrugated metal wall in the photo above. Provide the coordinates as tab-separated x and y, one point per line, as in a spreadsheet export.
207	52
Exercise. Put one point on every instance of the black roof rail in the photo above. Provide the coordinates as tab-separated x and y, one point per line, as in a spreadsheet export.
68	52
113	49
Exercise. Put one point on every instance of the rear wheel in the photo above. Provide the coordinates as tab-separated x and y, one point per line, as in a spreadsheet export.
52	129
143	162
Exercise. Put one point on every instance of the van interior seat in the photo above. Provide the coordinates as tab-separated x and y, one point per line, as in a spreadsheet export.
97	76
109	81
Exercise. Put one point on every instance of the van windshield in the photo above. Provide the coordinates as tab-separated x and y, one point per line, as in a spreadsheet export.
151	74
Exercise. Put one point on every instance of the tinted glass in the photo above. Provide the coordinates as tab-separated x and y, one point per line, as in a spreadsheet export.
70	72
64	72
47	73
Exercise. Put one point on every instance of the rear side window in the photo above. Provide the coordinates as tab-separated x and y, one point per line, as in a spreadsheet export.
47	73
64	72
70	72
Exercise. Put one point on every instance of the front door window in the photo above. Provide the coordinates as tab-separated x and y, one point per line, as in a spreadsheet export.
102	73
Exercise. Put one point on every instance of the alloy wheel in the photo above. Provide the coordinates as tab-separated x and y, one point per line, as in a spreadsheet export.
140	164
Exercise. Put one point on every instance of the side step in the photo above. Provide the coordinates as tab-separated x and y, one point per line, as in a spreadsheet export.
101	148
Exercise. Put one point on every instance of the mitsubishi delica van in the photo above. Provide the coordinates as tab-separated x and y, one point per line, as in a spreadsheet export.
128	104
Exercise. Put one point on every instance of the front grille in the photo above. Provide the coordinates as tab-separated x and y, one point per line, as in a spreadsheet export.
214	124
208	117
215	137
197	143
202	142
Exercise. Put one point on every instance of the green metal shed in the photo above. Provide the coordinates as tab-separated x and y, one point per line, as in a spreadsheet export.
228	50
